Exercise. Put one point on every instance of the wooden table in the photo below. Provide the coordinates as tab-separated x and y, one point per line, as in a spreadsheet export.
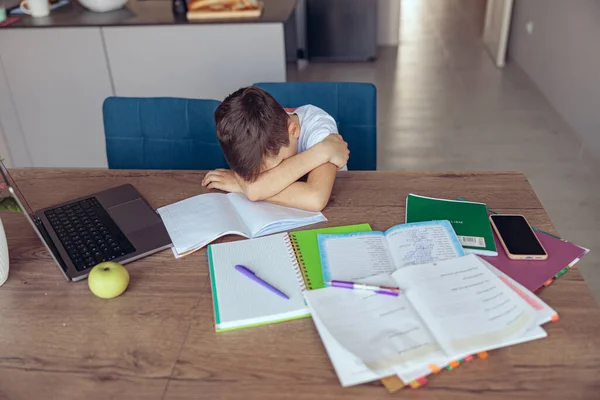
157	341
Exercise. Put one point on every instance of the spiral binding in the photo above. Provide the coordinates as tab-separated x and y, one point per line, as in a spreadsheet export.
298	261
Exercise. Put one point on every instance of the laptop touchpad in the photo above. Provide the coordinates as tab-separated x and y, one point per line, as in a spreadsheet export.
133	216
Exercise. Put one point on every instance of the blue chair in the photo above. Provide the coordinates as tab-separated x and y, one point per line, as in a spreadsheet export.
161	133
352	105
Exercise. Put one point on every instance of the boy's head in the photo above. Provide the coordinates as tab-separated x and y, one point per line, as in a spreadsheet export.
255	132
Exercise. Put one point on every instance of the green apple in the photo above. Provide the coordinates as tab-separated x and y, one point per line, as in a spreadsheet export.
108	280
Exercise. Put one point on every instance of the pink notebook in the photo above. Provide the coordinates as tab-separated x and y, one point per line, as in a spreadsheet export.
534	275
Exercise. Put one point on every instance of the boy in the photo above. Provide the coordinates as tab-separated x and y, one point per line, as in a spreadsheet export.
269	150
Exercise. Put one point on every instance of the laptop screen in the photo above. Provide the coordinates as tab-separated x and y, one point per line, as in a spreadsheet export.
9	183
10	186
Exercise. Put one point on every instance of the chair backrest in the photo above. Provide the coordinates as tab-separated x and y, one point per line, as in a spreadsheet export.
352	105
161	133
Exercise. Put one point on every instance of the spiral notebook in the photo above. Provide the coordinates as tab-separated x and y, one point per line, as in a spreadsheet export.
293	265
240	302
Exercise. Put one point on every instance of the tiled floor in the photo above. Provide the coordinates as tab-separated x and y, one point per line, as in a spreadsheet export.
443	105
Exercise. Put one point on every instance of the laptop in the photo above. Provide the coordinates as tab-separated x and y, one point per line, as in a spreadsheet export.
116	225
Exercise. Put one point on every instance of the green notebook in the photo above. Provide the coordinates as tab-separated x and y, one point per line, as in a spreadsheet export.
469	220
306	247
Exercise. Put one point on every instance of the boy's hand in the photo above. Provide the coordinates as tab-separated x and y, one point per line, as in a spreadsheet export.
336	149
222	179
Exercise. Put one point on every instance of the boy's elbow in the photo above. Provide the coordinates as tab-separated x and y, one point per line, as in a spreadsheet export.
253	194
317	202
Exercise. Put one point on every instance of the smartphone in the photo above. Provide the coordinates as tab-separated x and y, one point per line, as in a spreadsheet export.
517	237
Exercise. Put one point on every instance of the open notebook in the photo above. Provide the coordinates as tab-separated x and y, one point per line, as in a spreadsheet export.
352	256
195	222
363	255
436	320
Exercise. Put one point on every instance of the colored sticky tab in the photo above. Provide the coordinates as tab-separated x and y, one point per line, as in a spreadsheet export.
549	281
468	358
575	261
483	355
392	383
417	383
554	318
434	368
561	272
414	385
454	364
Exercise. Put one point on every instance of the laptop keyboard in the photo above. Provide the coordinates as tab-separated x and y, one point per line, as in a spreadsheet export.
88	233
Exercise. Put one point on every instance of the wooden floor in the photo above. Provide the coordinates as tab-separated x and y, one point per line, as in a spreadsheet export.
157	340
443	105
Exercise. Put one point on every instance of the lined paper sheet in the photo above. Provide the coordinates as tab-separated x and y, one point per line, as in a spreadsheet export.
242	301
465	305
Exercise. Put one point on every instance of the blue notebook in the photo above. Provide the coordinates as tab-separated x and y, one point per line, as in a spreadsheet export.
354	256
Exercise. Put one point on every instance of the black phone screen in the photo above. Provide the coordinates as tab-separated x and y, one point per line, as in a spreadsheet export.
517	235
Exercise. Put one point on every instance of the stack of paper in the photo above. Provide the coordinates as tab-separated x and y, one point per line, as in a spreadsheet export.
436	320
451	307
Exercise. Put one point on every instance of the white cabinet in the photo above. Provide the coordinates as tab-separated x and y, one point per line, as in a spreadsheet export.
54	83
198	61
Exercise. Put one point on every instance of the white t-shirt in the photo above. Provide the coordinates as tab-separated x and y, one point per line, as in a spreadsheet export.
315	125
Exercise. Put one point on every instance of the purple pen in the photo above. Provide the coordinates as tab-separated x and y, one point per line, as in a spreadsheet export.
385	290
250	274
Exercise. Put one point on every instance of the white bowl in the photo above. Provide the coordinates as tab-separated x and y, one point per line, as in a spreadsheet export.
103	5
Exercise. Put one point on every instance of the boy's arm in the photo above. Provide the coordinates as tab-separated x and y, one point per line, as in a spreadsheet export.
273	181
270	183
311	195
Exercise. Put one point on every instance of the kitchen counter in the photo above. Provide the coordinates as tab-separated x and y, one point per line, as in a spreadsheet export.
143	12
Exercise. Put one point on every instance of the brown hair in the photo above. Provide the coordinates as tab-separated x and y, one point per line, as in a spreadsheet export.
251	125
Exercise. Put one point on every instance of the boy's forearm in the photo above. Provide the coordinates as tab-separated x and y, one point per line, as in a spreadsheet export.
275	180
312	195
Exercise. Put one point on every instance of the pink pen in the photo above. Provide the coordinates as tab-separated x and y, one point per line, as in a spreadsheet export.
387	290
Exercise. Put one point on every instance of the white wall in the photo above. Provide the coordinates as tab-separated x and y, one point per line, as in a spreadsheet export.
388	22
562	56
